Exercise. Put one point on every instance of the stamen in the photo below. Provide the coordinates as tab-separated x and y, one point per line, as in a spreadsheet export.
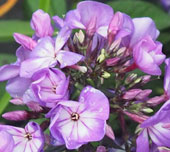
54	88
75	116
28	136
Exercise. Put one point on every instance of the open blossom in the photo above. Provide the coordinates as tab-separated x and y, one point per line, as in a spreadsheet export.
148	56
157	128
22	140
44	55
84	17
50	86
7	141
76	123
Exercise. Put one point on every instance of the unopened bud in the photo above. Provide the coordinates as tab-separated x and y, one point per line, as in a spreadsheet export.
106	75
17	101
102	56
135	117
138	80
82	69
121	51
112	61
147	110
131	78
131	94
109	132
115	45
146	79
16	115
143	94
156	100
79	36
20	115
34	106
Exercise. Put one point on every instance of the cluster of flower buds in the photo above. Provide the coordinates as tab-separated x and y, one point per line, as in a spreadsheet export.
75	78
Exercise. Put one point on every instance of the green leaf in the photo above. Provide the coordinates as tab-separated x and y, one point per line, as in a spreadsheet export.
53	7
58	7
7	28
142	9
44	5
4	102
30	6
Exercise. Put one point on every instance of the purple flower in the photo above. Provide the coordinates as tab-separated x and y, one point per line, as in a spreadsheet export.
7	142
157	128
141	31
167	78
50	86
22	140
46	55
148	56
41	24
94	17
76	123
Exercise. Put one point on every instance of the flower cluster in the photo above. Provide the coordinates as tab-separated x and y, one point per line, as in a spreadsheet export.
78	72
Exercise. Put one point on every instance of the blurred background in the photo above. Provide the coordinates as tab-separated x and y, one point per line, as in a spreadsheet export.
15	16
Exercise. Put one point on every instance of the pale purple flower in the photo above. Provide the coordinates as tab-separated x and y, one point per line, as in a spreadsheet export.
50	86
23	140
94	17
7	141
76	123
167	78
148	55
46	55
143	27
156	127
41	24
17	86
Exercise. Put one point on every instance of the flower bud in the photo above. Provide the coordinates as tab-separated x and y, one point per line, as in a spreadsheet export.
106	75
147	110
109	132
115	45
143	94
121	51
17	101
20	115
135	117
16	115
146	79
131	78
82	69
79	36
156	100
131	94
102	56
112	61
